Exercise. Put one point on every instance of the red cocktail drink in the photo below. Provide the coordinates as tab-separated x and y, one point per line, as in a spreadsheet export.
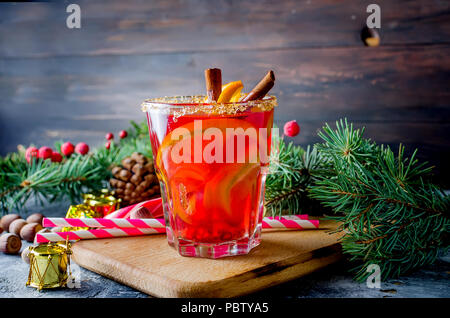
211	161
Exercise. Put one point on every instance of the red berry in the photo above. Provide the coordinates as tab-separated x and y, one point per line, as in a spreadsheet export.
67	149
82	148
45	153
56	157
123	134
291	128
109	136
31	152
108	144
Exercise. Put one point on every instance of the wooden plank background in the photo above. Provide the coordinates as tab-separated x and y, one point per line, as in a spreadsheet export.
57	83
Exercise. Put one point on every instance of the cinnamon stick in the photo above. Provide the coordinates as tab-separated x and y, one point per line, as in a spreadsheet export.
213	78
262	88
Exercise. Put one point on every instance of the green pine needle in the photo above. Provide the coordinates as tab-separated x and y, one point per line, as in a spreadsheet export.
389	211
45	181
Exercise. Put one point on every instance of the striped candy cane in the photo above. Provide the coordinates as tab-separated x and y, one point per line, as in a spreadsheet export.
135	227
294	222
94	234
290	222
103	222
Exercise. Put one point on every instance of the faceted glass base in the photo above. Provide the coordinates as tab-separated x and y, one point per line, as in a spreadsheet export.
211	250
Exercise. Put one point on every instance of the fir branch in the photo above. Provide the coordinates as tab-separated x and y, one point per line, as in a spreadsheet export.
388	208
48	182
293	170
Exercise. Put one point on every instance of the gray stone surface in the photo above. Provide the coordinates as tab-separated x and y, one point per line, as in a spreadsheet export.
334	281
14	274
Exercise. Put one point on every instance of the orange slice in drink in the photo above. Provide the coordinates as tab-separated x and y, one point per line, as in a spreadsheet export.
238	178
198	186
230	92
186	134
186	191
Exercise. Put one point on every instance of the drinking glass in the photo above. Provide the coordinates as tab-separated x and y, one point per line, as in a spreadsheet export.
211	161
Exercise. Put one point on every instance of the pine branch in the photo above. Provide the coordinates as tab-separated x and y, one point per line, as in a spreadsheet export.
388	209
293	170
45	181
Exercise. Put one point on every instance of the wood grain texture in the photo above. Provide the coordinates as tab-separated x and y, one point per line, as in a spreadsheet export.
150	265
142	27
76	85
399	94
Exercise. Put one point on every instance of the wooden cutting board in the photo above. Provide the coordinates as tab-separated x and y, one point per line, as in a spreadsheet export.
150	265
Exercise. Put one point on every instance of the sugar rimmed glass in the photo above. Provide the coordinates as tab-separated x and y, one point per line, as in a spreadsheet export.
211	161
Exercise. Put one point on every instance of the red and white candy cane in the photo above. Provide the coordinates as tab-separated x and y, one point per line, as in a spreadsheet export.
94	234
133	227
293	222
103	222
290	222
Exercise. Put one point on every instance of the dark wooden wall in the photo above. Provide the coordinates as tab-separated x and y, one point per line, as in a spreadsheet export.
57	83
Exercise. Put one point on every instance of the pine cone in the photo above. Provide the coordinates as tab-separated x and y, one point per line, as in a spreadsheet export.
135	180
